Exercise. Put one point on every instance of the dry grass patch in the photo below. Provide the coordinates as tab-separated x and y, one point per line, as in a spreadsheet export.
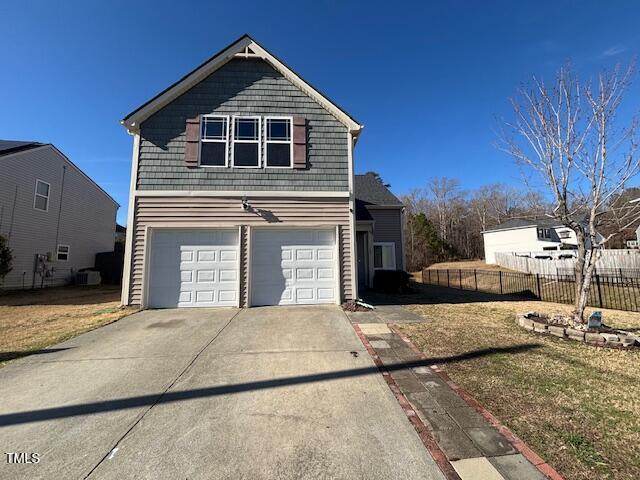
33	320
576	405
467	265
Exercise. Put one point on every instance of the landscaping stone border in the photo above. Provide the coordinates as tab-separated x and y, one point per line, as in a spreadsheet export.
612	339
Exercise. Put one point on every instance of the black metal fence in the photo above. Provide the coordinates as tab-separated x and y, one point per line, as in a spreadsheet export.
606	291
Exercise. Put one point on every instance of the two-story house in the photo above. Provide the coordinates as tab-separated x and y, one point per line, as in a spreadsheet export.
242	189
55	218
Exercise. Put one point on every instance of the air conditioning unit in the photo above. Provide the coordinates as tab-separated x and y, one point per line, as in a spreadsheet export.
88	277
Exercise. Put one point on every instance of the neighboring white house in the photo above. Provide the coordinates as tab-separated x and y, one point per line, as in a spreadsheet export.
524	236
55	218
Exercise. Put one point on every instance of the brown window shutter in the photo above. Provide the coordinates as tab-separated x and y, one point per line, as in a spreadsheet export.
299	142
192	142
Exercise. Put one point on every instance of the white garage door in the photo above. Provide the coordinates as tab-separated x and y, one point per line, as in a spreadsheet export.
293	267
193	268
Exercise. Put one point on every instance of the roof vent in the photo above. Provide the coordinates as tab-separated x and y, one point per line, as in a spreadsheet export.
247	53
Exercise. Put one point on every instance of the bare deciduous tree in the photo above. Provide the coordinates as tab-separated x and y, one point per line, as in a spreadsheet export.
568	135
444	191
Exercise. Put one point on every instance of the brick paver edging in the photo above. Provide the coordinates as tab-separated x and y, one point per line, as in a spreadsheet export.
517	443
429	442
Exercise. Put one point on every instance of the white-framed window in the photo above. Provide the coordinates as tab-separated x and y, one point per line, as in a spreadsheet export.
564	234
214	141
62	253
246	142
384	256
278	147
41	196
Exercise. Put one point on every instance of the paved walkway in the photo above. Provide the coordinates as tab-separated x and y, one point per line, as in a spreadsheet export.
475	449
262	393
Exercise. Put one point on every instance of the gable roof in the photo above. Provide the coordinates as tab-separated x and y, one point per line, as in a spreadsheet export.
244	47
368	190
515	223
21	146
12	146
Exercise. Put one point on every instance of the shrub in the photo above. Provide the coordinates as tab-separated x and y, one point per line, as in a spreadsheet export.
391	281
6	258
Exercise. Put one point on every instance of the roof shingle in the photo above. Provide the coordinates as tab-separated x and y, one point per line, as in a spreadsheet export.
13	146
521	223
368	189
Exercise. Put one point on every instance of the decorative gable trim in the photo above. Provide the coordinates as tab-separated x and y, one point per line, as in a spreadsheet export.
244	47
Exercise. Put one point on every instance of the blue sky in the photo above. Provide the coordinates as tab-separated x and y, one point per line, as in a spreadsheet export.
427	79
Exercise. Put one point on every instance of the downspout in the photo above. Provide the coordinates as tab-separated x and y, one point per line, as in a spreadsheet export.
55	248
64	174
352	215
403	217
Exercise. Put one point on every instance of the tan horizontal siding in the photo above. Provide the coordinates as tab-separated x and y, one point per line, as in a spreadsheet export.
227	211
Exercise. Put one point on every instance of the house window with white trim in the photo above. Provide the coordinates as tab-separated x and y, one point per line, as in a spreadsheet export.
278	142
246	142
564	234
41	196
214	141
62	254
384	256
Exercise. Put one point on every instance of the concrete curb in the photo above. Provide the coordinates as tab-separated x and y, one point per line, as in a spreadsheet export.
428	441
517	443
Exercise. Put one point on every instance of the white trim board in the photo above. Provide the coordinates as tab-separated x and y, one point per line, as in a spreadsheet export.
239	193
133	120
128	243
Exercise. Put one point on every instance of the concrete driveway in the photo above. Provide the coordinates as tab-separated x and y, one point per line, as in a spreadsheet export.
274	392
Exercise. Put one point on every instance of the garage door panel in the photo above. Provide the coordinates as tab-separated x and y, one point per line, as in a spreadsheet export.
193	268
304	274
293	266
325	274
325	254
327	294
228	255
304	254
228	275
206	276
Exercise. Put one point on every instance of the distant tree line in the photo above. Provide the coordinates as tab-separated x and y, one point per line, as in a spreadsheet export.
444	222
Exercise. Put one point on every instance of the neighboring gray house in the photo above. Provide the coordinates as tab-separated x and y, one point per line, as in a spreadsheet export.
379	228
55	217
242	189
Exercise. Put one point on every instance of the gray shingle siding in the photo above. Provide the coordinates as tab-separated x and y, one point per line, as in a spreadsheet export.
242	86
388	228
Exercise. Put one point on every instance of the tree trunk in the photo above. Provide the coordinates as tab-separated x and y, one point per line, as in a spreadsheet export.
580	270
584	287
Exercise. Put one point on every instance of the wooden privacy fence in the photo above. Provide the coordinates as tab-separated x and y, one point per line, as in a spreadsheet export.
611	262
606	291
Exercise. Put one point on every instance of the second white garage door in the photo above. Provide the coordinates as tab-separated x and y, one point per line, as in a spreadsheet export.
193	268
293	266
